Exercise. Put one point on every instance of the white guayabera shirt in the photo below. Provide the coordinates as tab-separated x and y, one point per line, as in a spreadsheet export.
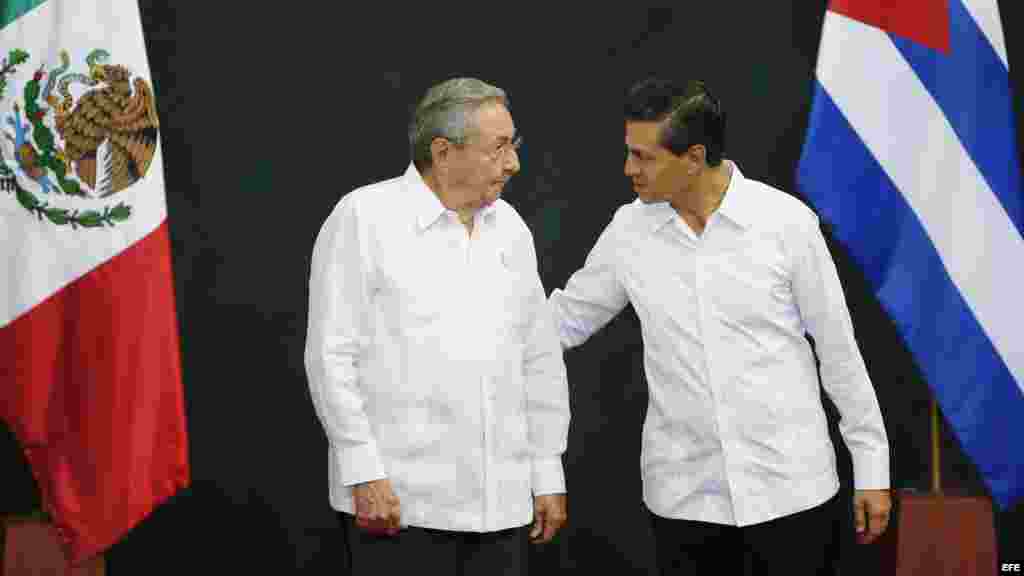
735	431
433	359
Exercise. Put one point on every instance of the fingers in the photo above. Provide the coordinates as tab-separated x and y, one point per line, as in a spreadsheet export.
538	524
878	521
368	515
555	521
364	503
377	509
860	517
871	516
394	518
876	526
549	516
550	529
386	517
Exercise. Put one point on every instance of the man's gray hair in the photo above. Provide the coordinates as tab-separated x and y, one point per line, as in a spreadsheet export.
446	111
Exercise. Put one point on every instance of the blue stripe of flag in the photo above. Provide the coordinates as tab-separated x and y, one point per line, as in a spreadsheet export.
972	87
978	395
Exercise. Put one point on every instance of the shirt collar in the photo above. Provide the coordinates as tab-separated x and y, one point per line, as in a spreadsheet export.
426	207
425	204
660	213
735	206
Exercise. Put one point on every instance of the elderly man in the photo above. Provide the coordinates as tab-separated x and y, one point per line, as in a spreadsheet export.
433	361
727	275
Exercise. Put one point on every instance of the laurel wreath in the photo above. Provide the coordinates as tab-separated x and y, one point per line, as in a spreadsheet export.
109	216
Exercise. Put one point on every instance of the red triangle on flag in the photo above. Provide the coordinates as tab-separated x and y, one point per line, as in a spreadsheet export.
922	21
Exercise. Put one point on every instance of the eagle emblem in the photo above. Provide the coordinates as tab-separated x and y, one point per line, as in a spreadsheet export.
75	136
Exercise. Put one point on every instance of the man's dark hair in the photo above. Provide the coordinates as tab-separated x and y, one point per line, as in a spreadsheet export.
691	115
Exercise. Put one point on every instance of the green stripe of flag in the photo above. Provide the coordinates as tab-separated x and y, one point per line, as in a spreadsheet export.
11	10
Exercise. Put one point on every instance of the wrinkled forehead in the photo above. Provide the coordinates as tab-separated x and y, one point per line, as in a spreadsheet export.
643	136
494	121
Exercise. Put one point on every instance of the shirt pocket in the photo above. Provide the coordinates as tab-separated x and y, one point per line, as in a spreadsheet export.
513	436
414	293
410	432
423	482
750	287
421	303
514	288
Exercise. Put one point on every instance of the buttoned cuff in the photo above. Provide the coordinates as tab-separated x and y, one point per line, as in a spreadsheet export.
359	464
870	470
548	476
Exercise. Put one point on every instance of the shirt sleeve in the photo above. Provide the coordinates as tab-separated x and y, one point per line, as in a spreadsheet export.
592	296
823	308
336	340
547	391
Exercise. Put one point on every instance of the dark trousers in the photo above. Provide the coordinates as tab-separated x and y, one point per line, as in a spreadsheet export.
427	551
801	544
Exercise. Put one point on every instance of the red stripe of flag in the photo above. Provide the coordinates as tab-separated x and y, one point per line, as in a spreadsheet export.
93	392
923	21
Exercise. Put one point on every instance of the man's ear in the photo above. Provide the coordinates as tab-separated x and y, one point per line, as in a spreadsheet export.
440	150
697	155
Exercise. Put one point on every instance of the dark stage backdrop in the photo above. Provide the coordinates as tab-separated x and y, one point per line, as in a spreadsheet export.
270	116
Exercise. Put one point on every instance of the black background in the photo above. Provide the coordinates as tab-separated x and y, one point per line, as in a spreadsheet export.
270	114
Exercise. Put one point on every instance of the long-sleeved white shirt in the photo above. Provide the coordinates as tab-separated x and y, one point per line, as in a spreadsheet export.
433	359
735	431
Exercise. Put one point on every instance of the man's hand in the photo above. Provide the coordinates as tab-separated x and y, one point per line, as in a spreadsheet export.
549	515
377	507
870	514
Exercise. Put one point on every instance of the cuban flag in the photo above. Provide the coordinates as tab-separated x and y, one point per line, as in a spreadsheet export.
911	155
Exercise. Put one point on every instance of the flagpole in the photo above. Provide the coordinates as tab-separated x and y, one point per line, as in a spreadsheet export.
936	468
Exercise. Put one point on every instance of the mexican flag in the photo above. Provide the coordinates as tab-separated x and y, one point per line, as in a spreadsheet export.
90	377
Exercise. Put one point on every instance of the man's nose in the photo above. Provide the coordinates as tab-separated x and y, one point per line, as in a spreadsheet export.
512	161
630	167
